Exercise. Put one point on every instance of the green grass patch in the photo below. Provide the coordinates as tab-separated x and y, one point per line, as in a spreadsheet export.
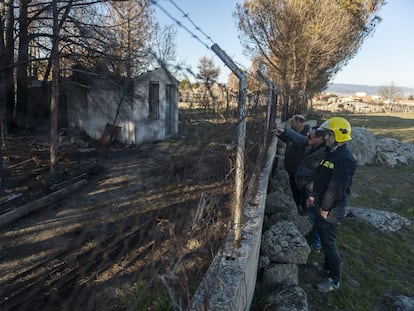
384	188
150	299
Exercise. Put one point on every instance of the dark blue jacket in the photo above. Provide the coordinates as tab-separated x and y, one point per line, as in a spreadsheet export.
295	148
308	168
333	182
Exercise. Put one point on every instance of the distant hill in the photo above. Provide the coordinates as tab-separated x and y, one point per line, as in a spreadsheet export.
349	89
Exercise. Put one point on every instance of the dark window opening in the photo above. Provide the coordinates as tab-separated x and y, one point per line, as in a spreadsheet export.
154	100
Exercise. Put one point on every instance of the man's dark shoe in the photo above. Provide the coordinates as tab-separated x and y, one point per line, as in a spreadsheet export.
328	285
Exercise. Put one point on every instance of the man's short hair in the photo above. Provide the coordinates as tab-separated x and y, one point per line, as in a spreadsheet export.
298	117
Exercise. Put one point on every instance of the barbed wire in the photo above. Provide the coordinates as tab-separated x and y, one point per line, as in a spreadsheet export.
186	16
193	35
190	20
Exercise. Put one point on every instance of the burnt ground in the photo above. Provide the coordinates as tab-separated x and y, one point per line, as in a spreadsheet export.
126	239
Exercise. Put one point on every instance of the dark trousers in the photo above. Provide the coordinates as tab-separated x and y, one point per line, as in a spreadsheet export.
297	195
313	213
327	232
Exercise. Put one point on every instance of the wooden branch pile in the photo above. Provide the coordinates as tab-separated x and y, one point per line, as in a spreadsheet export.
21	211
27	183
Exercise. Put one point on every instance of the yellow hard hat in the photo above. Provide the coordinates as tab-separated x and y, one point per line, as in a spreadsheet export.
339	126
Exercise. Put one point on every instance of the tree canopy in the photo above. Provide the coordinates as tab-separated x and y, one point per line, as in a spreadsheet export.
207	70
305	43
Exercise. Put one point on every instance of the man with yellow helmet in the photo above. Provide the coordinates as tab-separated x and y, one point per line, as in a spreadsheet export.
330	192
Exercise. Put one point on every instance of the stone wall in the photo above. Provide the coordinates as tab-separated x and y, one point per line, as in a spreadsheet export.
283	247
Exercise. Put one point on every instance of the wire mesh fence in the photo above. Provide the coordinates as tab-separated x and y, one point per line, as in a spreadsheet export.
142	230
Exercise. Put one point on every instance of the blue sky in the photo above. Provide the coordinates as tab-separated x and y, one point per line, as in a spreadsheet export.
386	56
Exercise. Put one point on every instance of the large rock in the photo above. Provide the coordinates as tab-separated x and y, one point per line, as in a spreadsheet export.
276	275
287	298
281	206
395	303
279	202
391	152
279	179
283	243
363	145
382	220
404	303
369	149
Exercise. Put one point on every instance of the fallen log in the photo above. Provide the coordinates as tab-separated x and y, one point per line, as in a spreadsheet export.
63	184
11	166
39	203
8	198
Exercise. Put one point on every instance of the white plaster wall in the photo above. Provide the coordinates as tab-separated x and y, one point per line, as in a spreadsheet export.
91	109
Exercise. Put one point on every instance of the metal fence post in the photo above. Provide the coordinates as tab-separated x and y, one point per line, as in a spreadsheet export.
270	98
241	138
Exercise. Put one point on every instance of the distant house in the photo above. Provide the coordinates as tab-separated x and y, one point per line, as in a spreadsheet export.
141	110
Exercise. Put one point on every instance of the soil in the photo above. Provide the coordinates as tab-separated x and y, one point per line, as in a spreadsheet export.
128	239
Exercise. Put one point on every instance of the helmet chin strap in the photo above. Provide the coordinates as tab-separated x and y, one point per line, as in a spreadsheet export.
335	146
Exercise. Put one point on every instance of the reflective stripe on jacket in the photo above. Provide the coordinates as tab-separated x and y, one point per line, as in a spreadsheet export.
333	182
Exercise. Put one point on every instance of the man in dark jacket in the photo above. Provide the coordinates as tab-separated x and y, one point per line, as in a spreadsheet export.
295	148
306	173
330	192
